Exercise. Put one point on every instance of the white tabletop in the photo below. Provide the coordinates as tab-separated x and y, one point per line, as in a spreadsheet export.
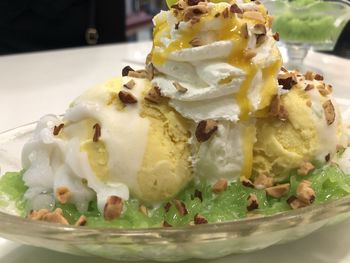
33	85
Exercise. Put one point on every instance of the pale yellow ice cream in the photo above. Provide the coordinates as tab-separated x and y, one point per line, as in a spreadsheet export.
304	134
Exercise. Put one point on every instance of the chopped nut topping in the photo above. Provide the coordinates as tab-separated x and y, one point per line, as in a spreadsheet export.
167	207
235	9
193	2
198	194
57	129
287	80
140	74
255	15
244	30
327	157
329	112
226	13
196	42
81	221
278	191
252	202
179	87
319	77
247	183
284	70
249	53
305	193
113	208
130	85
305	168
309	103
97	133
309	87
63	194
323	89
166	224
181	207
126	70
154	95
309	75
143	210
193	11
150	70
200	220
260	39
262	181
277	109
52	217
205	130
259	29
220	186
276	36
295	203
127	97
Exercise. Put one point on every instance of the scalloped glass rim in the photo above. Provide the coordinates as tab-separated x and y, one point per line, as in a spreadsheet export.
166	244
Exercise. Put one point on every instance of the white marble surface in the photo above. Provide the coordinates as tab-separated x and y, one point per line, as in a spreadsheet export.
35	84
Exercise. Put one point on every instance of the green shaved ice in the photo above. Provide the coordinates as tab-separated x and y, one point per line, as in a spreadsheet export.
328	181
12	189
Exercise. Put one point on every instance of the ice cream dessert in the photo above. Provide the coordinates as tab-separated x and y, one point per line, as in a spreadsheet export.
213	129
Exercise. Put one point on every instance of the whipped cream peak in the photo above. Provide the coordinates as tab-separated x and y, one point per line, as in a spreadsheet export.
220	53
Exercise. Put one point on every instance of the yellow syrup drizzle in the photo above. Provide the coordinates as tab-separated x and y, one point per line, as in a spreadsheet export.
248	134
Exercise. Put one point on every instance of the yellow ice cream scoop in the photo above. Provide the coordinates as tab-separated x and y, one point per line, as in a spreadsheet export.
303	125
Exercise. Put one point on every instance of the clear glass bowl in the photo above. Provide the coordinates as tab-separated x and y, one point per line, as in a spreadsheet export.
160	244
305	24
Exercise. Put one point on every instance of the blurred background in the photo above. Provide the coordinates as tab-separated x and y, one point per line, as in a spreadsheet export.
35	25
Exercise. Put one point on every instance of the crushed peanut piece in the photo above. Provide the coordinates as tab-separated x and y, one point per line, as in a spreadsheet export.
329	112
51	217
276	36
126	70
244	30
287	80
57	129
295	203
179	87
127	97
130	84
305	193
255	15
309	87
318	77
226	13
167	207
166	224
277	109
113	208
220	186
260	39
235	9
63	194
200	220
259	29
247	183
198	194
309	75
81	221
97	133
181	207
193	11
205	130
263	181
154	95
249	53
278	191
252	202
143	210
305	168
196	42
140	74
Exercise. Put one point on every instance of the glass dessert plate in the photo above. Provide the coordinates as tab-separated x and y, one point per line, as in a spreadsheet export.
161	244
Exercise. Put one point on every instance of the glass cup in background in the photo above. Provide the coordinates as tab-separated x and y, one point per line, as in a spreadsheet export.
305	24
